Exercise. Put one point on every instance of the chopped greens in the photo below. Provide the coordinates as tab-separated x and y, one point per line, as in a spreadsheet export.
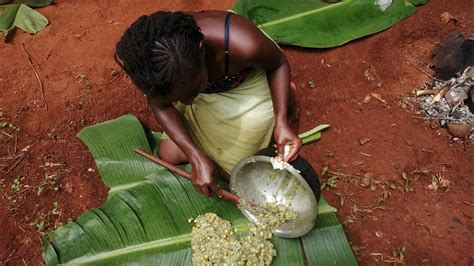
214	241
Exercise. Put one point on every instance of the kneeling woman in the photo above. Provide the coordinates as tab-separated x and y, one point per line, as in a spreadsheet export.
230	83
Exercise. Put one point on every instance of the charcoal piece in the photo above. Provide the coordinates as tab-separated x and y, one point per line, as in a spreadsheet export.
470	100
453	54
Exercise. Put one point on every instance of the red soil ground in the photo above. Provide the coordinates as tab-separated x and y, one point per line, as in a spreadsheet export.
75	56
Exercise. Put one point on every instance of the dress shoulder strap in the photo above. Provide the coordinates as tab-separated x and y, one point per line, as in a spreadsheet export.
226	44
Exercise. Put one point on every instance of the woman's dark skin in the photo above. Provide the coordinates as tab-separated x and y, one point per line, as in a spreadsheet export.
248	47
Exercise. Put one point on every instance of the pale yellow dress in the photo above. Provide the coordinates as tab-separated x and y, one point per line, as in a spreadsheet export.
232	125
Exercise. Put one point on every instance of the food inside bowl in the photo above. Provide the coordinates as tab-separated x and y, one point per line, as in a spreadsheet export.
255	180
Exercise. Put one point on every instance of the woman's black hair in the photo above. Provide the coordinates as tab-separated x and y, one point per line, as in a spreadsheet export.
158	49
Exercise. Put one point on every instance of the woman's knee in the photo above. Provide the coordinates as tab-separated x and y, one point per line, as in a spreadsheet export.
171	153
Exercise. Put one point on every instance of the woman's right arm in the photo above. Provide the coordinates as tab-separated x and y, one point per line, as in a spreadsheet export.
203	171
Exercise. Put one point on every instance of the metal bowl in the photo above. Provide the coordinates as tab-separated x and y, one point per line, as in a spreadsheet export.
253	179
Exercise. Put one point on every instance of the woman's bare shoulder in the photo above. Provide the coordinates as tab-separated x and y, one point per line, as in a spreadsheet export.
216	18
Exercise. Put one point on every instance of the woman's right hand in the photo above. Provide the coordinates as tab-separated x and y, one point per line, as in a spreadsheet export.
203	174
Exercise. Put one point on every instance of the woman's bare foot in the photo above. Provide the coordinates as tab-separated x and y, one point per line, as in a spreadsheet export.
293	104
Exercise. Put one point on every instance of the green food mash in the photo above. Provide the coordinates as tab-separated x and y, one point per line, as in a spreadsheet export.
214	241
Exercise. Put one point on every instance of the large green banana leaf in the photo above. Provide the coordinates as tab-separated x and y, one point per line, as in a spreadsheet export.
21	16
145	222
318	24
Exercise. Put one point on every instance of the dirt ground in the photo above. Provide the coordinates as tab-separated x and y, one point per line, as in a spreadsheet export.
380	187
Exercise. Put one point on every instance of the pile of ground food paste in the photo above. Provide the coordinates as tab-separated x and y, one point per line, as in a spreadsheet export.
214	241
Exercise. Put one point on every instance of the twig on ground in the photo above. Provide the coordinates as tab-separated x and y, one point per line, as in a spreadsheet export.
57	220
389	260
22	229
365	154
37	76
46	58
338	173
16	143
108	82
426	92
17	162
9	256
83	94
10	157
26	189
22	155
439	95
423	71
426	150
6	134
6	251
428	74
468	203
430	229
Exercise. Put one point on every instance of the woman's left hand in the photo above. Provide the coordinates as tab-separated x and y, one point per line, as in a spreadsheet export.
284	135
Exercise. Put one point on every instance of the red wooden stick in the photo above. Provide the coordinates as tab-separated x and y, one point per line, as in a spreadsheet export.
221	192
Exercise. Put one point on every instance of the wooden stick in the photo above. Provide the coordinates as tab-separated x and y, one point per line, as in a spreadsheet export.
339	173
468	203
221	192
37	76
17	162
440	95
423	71
426	92
16	143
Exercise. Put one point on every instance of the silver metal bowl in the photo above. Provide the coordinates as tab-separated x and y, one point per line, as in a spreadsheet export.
253	179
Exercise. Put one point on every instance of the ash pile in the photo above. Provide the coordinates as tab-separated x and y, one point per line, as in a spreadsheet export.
450	97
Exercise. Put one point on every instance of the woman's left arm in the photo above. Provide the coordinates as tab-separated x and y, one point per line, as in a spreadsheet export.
255	49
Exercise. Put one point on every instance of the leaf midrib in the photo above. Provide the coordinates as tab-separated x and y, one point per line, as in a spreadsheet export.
296	16
164	242
175	240
115	189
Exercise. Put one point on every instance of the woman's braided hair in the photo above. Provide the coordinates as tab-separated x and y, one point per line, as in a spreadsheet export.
160	48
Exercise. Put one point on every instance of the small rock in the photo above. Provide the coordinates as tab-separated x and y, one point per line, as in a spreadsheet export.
459	130
457	221
434	124
446	17
404	176
357	163
68	188
364	140
365	180
409	142
367	98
